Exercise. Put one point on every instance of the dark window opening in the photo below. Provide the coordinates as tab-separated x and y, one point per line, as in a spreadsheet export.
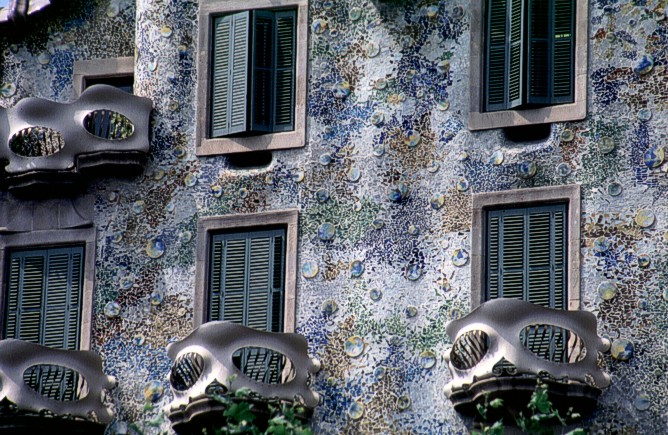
528	133
124	83
252	160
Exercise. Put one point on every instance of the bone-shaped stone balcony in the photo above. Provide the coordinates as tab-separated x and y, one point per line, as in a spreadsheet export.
505	346
45	144
222	357
45	390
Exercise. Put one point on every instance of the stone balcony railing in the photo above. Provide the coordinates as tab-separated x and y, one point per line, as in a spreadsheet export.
505	346
45	390
219	358
48	146
17	10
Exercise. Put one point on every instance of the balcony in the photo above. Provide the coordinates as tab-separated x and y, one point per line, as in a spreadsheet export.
50	147
221	358
505	346
18	10
45	390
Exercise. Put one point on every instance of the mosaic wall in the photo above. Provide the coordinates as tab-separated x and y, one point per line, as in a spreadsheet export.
384	191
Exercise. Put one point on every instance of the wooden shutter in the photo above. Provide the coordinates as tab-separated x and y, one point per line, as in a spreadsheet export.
505	54
44	296
246	278
284	70
526	254
551	51
247	287
230	74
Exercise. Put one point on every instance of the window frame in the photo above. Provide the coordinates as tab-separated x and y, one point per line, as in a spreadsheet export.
480	120
296	138
53	239
207	227
482	202
100	69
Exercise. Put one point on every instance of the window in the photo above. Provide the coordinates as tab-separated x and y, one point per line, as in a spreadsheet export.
44	296
246	270
249	279
246	283
252	76
526	254
47	259
253	93
528	62
525	246
117	72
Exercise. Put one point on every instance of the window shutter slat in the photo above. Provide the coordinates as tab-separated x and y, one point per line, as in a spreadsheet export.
493	257
497	49
30	296
44	300
234	293
516	55
263	71
11	319
245	265
277	290
215	277
259	283
239	72
284	70
229	74
564	48
220	77
526	254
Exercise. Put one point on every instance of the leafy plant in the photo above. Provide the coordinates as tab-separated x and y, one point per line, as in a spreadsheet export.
540	419
241	413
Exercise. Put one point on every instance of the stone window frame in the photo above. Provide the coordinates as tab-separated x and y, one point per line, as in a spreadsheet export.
480	120
206	146
50	239
207	226
98	69
481	202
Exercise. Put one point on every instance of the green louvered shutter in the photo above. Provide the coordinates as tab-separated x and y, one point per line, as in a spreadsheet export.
564	49
44	296
230	74
526	254
551	51
504	68
263	71
526	259
245	285
284	70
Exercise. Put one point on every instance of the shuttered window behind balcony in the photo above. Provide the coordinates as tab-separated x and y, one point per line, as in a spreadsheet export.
44	293
526	254
526	259
247	278
247	287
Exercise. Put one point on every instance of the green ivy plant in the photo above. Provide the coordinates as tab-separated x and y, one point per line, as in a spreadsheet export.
241	417
541	417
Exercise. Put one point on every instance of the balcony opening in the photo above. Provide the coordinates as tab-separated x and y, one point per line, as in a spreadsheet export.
36	142
528	133
251	160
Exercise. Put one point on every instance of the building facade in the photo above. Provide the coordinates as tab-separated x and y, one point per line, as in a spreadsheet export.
377	146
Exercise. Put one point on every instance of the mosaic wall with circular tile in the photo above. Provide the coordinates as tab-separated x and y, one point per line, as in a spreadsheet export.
384	187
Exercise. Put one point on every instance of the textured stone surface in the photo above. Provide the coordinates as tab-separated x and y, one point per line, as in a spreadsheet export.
402	70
